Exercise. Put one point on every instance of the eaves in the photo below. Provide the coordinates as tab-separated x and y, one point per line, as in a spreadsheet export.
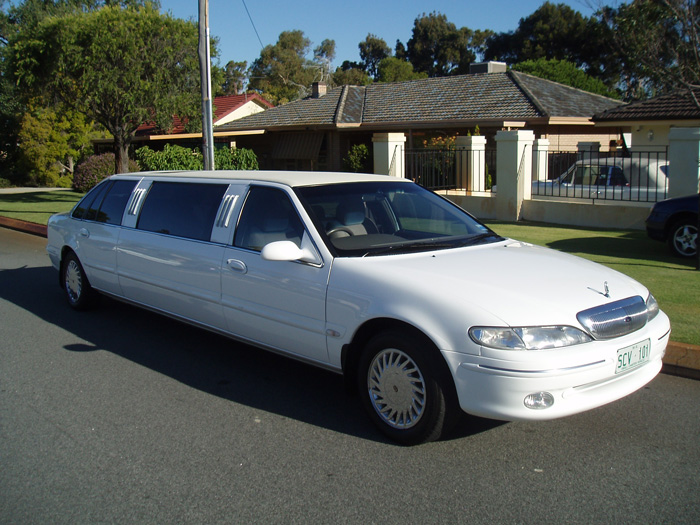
649	122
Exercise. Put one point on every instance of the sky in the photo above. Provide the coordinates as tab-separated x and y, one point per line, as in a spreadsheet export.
347	22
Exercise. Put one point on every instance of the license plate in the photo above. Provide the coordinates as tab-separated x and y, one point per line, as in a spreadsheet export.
632	356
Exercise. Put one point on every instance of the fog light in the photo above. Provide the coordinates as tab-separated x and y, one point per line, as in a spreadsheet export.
539	400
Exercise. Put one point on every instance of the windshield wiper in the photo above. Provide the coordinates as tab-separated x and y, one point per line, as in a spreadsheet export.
418	246
476	239
422	246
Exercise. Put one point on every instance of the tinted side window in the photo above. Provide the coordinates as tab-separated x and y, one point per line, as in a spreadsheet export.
181	209
115	201
268	216
95	194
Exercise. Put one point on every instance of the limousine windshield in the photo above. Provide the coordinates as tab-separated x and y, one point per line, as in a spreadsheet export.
375	218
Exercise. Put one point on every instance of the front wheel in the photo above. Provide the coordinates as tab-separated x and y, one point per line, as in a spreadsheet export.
76	286
683	240
401	389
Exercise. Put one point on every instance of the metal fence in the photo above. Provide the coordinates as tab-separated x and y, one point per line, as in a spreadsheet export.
632	176
439	170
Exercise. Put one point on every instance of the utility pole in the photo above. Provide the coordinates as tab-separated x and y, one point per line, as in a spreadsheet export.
205	76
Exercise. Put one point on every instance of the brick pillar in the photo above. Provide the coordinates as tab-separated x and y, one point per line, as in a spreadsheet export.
388	148
540	166
471	163
514	161
684	161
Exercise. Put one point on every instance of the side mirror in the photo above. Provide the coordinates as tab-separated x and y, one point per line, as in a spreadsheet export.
288	251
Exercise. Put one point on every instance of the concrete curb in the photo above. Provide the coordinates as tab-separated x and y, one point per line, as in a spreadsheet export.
681	359
23	226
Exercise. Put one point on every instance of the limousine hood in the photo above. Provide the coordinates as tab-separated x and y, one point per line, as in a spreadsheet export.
509	283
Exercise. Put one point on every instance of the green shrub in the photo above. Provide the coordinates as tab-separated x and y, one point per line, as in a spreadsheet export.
235	159
174	157
357	159
4	183
94	169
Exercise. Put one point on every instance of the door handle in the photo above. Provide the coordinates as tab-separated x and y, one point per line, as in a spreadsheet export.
84	232
237	266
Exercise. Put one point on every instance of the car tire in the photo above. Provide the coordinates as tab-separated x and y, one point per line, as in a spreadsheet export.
79	294
402	391
683	238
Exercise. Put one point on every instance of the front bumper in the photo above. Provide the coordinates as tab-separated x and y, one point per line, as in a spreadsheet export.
579	378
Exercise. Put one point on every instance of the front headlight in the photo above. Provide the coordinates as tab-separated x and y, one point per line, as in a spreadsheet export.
528	337
652	308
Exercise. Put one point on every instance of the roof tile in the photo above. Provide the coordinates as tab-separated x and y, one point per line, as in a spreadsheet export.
484	96
679	105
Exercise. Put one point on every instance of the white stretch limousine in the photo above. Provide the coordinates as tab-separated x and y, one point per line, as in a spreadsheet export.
418	304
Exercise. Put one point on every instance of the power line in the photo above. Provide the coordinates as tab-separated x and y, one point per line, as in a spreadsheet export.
253	24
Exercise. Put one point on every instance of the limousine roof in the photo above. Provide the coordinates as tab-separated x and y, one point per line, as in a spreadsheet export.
288	178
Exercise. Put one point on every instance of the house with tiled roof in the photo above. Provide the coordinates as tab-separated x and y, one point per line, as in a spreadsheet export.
225	109
317	132
647	123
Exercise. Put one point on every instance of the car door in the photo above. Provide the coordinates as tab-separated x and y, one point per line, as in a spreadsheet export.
277	304
168	261
98	234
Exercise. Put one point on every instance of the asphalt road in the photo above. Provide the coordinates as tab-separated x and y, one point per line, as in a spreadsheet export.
120	415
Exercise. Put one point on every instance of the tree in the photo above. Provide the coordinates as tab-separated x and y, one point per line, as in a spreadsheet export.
392	69
556	32
279	74
143	68
351	75
51	141
372	51
323	57
234	78
566	73
658	43
438	48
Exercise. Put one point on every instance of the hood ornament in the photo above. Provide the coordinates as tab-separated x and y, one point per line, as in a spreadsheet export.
606	293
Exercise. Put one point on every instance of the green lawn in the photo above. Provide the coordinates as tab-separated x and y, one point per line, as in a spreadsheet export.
674	282
38	206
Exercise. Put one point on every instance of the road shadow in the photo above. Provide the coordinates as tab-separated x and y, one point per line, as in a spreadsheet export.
203	360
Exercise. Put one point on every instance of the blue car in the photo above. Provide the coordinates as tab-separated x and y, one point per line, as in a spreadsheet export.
675	221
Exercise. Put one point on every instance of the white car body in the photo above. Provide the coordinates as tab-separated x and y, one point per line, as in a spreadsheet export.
310	303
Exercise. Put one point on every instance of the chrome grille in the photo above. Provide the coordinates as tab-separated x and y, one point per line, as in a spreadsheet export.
615	319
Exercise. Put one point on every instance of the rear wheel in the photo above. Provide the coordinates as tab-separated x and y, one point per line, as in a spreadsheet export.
683	239
401	388
79	293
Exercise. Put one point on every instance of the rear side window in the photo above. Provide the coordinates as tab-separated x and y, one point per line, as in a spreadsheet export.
95	195
181	209
106	202
113	204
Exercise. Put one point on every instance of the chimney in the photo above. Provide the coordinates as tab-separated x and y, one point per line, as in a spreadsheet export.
318	89
487	67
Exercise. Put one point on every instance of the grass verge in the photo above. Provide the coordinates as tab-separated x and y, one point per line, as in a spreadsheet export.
37	206
674	282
